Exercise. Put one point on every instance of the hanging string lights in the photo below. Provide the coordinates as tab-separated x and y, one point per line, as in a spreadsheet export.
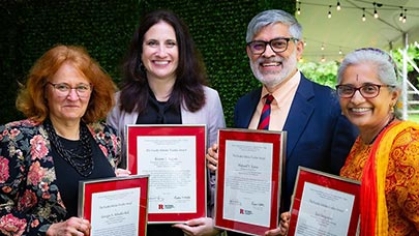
329	15
401	14
375	7
363	14
299	8
367	7
404	16
327	50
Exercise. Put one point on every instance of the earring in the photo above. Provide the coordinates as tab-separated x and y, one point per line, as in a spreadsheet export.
141	67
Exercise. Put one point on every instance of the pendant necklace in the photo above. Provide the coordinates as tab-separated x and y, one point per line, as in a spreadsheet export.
388	123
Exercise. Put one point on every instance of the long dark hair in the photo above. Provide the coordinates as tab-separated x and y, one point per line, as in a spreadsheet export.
190	73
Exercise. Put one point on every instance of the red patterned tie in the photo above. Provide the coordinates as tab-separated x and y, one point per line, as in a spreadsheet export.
266	112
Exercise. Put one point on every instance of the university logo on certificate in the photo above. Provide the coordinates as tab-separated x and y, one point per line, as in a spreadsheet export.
174	158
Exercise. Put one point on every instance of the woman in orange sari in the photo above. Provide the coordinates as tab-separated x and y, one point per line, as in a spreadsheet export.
385	156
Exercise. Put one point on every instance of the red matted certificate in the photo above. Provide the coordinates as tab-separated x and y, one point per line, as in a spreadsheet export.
174	157
324	204
250	165
115	206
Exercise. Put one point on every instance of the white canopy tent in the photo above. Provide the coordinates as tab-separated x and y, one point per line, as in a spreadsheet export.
329	33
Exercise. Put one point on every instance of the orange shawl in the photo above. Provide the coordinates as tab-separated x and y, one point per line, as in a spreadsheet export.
374	218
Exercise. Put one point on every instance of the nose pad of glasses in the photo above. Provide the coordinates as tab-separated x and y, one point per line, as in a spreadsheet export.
358	94
73	93
268	50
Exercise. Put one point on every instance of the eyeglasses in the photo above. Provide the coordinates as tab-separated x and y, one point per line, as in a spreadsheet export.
277	45
367	91
63	89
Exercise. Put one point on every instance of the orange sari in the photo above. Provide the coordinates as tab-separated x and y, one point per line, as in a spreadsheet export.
372	171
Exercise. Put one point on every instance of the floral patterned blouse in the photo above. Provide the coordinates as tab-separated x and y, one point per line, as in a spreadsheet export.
30	200
402	180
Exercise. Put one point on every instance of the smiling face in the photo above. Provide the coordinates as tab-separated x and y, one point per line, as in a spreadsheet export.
160	54
367	113
272	68
67	106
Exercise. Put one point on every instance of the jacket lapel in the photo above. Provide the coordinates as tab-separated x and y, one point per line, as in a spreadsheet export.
246	108
300	112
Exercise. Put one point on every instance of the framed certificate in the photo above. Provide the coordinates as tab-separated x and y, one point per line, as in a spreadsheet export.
324	204
174	158
114	205
250	165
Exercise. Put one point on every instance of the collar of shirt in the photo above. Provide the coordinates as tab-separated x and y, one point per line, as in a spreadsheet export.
283	89
280	106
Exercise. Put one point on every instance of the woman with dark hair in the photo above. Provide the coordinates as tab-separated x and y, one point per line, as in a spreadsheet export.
164	83
43	158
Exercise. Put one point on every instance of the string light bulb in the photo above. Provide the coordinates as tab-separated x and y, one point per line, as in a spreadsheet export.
329	15
322	48
338	6
363	15
405	16
299	8
401	14
375	10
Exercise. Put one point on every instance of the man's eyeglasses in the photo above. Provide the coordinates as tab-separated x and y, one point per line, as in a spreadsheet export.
277	45
63	89
367	91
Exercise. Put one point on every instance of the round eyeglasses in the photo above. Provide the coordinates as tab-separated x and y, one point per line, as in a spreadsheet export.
63	89
277	45
367	91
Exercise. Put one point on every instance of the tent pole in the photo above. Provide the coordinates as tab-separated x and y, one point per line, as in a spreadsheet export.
404	79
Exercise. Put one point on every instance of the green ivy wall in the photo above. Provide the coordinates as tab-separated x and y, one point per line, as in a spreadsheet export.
30	27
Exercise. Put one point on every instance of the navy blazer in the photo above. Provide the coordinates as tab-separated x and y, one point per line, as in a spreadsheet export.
318	135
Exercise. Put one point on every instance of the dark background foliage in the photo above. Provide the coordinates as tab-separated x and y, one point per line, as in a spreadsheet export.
28	28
